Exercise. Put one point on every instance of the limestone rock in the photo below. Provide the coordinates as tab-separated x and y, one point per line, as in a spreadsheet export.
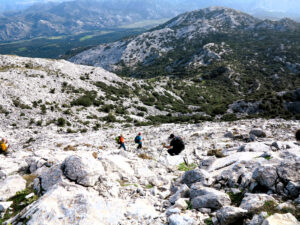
194	176
293	189
181	203
71	204
288	170
285	205
278	219
10	186
266	176
258	219
251	202
48	178
203	197
229	214
84	171
258	133
177	219
4	206
172	210
182	192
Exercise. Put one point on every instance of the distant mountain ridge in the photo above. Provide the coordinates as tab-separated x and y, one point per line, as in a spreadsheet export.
73	17
59	17
196	28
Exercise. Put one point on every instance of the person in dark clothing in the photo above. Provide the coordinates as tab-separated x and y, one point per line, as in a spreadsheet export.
138	139
298	135
176	145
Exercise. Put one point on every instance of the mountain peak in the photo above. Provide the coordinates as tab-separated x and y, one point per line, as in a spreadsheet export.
214	17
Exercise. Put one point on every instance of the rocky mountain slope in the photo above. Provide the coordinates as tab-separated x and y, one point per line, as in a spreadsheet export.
84	178
64	166
194	40
75	98
227	54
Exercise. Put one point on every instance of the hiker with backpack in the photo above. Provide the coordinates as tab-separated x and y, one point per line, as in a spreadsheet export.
138	140
4	146
297	136
120	141
176	145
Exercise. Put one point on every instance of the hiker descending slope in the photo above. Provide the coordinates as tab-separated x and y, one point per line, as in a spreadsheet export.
138	140
176	145
121	142
4	146
297	135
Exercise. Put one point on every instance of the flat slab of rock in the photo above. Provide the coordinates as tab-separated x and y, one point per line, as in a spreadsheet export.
278	219
10	186
72	204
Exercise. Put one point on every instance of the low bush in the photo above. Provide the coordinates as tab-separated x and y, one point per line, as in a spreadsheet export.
61	122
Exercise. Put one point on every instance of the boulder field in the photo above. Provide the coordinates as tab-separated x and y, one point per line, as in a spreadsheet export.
243	172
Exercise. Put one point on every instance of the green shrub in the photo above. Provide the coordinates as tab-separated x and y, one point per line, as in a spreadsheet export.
141	108
86	100
43	109
110	118
237	198
61	122
107	108
229	117
141	114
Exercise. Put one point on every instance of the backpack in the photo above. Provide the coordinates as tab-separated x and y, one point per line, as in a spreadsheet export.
178	142
3	147
118	140
137	139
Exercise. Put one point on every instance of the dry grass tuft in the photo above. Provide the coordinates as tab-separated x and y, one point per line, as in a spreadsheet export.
95	155
70	148
29	179
216	152
145	156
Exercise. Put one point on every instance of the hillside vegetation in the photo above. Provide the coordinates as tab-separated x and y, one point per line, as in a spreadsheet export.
214	58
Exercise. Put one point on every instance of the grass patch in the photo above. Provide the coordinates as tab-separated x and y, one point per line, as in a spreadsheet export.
271	208
236	199
19	203
189	205
149	186
124	184
184	167
208	221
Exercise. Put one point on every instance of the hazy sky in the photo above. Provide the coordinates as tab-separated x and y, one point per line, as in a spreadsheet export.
285	6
